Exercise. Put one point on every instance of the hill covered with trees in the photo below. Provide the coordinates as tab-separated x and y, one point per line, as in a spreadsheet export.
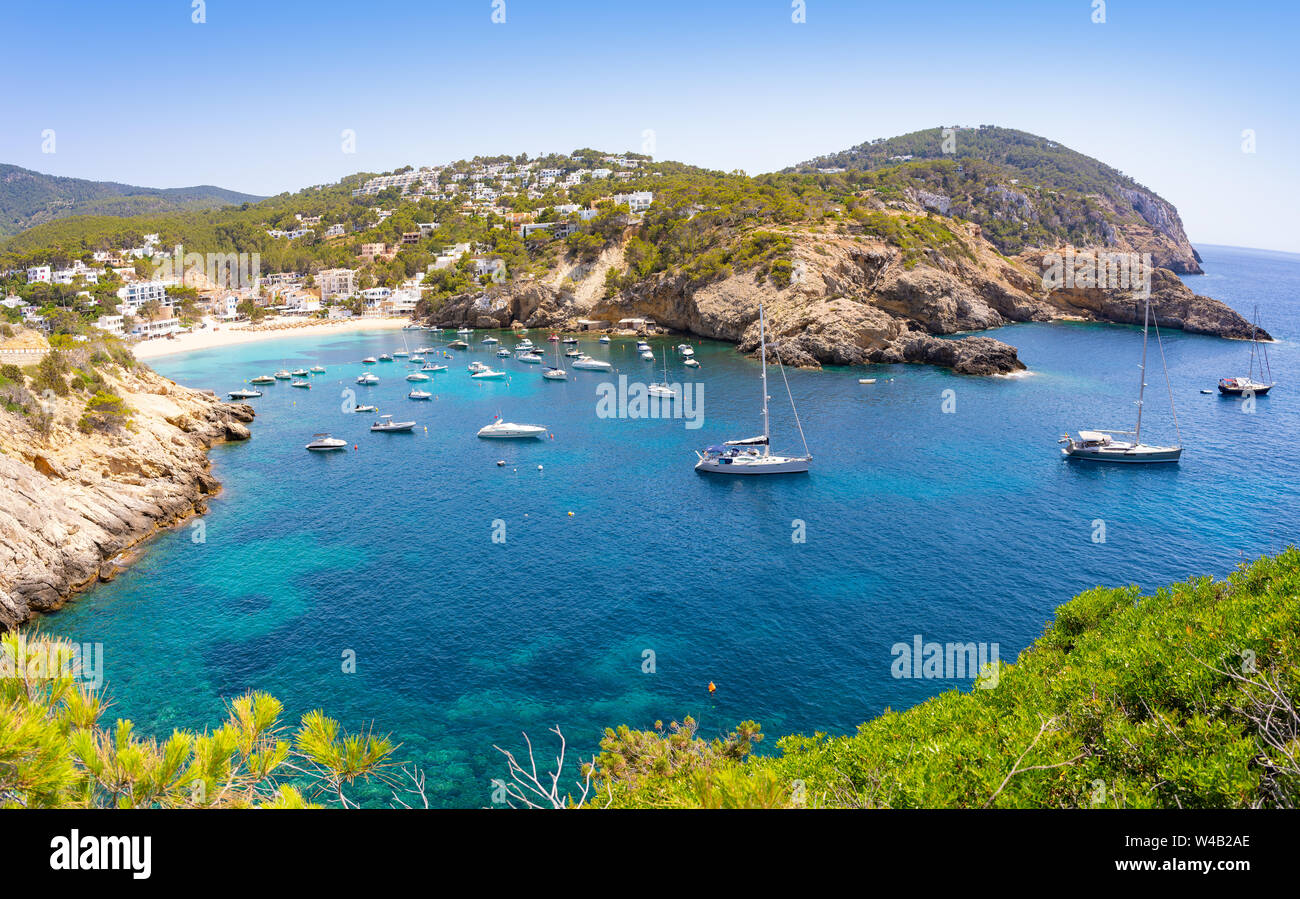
30	198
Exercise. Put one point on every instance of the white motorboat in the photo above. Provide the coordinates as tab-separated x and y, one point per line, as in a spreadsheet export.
419	395
570	340
318	369
531	357
324	443
385	357
488	375
417	376
753	455
685	349
431	366
244	394
300	373
573	354
691	362
503	353
1099	445
263	379
465	331
282	375
478	367
586	363
604	338
458	345
400	354
305	385
386	425
417	358
648	356
369	360
524	344
500	428
365	409
368	379
489	340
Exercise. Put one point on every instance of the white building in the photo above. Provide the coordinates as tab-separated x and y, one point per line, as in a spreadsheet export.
335	282
39	273
637	201
112	324
136	294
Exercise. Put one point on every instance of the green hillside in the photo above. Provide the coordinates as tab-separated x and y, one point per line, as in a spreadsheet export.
30	198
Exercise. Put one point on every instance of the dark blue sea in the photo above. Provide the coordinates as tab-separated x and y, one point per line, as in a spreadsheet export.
962	526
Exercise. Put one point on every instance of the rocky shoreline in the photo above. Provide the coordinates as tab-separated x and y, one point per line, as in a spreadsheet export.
75	503
852	300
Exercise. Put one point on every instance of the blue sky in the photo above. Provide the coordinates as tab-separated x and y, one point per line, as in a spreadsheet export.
256	98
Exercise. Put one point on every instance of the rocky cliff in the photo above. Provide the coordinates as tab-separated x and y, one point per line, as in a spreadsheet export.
73	501
851	299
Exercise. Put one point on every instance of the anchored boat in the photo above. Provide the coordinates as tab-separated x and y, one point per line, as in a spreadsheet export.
753	455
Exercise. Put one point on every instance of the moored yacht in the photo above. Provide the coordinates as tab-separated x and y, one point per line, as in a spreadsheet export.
586	363
386	425
368	379
324	442
1100	445
753	455
1248	386
500	428
244	394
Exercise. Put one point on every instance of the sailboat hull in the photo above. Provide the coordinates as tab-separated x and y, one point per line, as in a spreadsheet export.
1257	390
752	465
1124	455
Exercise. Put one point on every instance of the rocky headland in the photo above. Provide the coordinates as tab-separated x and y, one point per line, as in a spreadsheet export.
76	497
851	299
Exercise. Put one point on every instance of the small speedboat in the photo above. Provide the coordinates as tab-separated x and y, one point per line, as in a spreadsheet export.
503	353
489	340
458	345
642	346
587	363
262	379
554	374
386	425
324	443
525	344
368	379
465	331
417	358
648	355
429	366
475	367
401	354
488	375
685	349
282	375
691	363
570	340
511	429
300	373
305	385
366	409
317	369
385	357
604	338
419	395
417	376
573	354
530	358
554	338
369	360
244	394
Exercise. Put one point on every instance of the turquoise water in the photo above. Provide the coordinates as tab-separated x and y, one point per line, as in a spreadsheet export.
963	526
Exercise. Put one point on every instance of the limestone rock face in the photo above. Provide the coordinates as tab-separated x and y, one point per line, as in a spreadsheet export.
853	300
70	502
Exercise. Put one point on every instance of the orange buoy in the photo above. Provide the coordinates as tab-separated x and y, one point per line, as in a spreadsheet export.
712	688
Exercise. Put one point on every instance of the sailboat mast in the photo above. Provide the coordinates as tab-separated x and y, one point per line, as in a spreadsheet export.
762	343
1146	319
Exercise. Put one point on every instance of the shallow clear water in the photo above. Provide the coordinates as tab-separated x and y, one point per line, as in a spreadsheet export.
962	526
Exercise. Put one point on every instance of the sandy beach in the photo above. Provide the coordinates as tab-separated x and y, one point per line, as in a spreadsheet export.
219	335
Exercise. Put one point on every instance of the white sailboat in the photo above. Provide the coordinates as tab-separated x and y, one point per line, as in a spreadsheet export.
753	455
1248	386
555	372
1099	445
664	390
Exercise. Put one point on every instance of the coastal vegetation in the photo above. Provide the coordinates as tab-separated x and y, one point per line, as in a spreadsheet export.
1183	698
